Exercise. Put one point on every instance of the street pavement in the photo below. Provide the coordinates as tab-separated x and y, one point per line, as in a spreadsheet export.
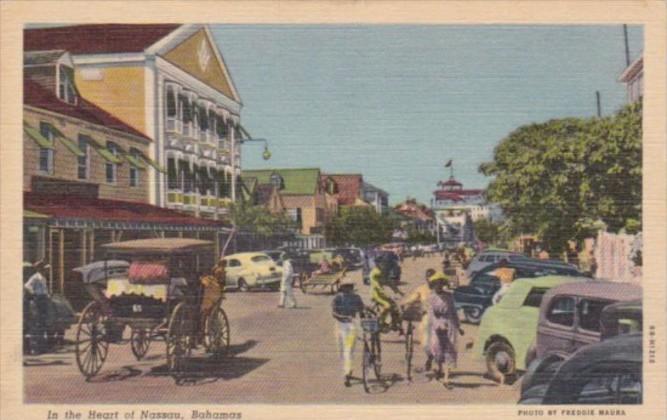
277	356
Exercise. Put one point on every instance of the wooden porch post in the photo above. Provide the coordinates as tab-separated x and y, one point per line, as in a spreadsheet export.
92	245
61	262
84	246
50	257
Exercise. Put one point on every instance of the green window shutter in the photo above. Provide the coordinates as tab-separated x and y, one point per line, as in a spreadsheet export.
34	134
135	161
105	153
152	163
69	144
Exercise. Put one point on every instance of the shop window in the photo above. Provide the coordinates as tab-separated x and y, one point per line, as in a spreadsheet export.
83	162
45	153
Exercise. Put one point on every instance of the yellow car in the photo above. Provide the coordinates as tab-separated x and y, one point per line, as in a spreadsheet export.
250	270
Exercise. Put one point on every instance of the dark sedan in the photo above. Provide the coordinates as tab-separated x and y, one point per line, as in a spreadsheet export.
609	372
474	298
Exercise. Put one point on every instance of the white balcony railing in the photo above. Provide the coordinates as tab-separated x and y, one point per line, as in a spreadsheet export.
174	125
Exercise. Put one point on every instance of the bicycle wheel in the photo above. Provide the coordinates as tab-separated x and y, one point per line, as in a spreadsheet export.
409	348
368	361
377	355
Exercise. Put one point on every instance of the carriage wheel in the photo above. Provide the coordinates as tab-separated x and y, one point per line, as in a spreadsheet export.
140	341
91	343
178	339
217	331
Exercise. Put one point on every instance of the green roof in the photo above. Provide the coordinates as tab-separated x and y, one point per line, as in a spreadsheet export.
302	181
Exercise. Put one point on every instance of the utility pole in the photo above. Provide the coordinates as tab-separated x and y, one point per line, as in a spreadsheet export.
597	97
627	45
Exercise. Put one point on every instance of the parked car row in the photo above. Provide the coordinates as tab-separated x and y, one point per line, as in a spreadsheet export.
548	319
606	372
477	296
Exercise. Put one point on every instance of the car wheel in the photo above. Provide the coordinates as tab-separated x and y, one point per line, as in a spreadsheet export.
500	361
473	314
243	286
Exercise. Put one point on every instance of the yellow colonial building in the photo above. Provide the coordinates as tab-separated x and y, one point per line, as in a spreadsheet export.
169	82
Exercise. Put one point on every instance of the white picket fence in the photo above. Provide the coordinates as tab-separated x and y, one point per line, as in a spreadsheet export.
613	254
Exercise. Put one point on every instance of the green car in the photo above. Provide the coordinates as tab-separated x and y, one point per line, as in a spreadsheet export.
508	329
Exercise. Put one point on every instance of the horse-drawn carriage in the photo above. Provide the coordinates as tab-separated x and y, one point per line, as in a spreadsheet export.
153	287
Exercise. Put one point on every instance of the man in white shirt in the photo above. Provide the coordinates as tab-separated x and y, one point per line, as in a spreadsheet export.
286	292
39	291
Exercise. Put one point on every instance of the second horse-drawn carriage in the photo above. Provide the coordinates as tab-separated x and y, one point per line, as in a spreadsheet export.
153	287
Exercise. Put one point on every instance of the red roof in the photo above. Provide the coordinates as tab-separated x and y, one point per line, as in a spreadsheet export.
38	96
96	39
457	195
349	188
85	208
451	182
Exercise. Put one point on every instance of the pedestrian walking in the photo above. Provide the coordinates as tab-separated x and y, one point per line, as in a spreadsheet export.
415	306
38	291
287	299
445	328
346	306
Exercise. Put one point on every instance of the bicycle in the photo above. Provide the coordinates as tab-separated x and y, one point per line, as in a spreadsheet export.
410	316
372	356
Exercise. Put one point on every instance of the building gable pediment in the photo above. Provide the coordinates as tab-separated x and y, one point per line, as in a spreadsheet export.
198	56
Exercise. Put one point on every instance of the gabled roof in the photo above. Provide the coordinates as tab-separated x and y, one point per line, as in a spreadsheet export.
97	38
349	187
297	181
37	96
36	58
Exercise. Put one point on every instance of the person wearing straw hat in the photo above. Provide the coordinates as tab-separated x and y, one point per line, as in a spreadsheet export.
444	326
39	291
346	306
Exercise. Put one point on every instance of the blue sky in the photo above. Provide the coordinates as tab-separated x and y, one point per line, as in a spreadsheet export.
396	102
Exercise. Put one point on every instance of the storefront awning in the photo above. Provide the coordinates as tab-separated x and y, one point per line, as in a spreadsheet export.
34	134
71	211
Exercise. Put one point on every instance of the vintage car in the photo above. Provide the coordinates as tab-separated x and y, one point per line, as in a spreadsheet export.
474	298
276	255
59	318
621	318
570	315
250	270
489	257
616	319
609	372
508	328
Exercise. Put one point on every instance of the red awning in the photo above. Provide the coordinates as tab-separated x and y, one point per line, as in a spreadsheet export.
72	208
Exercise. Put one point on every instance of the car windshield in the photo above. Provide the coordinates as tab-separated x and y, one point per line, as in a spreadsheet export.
260	259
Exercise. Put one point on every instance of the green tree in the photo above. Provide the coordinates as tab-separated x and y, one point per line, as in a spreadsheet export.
361	226
258	219
559	178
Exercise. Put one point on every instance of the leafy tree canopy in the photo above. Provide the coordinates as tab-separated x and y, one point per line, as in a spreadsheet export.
560	178
258	219
360	226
